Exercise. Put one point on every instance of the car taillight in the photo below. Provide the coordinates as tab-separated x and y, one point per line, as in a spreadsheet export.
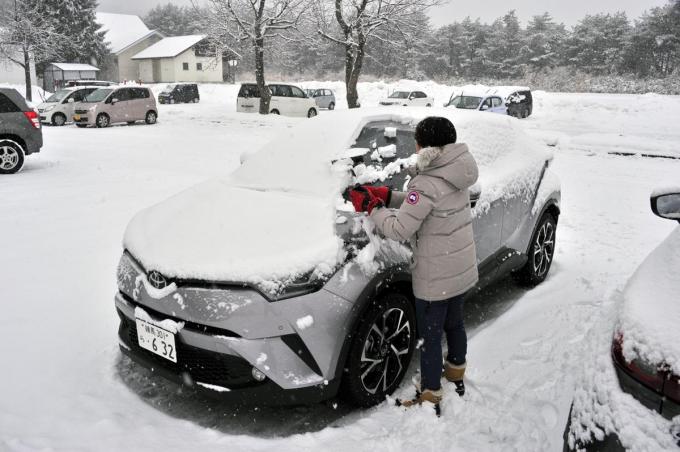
32	116
672	388
649	375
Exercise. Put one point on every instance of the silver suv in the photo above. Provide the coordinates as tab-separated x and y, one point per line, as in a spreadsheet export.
215	285
107	106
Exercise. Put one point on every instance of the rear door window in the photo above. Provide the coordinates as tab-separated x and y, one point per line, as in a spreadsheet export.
249	91
7	106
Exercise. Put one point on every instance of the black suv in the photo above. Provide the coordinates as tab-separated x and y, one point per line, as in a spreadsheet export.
520	103
181	92
20	133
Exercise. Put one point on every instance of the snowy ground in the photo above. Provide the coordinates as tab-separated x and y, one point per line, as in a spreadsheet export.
64	386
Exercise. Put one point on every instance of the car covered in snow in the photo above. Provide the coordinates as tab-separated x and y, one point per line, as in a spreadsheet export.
58	109
408	99
288	100
265	286
511	100
645	355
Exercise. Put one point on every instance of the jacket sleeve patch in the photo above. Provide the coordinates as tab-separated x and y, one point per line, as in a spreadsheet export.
413	197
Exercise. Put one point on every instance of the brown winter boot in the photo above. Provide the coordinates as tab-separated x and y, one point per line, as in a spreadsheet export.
428	395
455	374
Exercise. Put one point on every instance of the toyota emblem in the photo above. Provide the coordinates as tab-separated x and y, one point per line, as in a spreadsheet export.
157	280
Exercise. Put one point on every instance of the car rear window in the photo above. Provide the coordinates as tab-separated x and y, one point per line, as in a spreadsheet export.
7	106
249	90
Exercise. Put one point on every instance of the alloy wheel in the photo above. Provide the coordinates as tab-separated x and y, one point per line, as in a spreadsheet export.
385	351
543	249
9	158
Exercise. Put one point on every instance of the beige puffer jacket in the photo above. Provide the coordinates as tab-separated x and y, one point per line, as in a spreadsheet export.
435	216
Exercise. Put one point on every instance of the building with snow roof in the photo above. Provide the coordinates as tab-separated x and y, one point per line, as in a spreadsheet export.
126	35
180	59
56	75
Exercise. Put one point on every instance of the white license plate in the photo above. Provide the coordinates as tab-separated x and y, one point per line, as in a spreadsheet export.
156	340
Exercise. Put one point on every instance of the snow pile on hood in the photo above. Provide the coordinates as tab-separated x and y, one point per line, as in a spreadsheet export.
274	218
649	319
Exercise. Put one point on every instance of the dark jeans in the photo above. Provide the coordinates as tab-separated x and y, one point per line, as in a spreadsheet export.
435	317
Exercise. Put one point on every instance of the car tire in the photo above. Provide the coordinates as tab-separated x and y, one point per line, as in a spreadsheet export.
540	254
525	113
381	350
58	119
274	112
311	113
428	105
331	106
151	117
103	120
12	157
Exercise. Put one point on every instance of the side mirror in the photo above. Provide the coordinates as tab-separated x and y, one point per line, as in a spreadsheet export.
484	107
70	100
113	101
666	204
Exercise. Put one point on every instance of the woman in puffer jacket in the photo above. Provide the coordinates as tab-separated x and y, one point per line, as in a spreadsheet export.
434	215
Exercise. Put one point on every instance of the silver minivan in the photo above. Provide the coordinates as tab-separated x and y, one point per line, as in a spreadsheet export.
324	98
107	106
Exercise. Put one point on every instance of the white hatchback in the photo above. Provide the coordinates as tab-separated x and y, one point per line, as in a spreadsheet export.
286	100
59	107
408	99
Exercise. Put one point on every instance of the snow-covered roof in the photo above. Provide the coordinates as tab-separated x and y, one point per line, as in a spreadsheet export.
169	47
74	67
122	30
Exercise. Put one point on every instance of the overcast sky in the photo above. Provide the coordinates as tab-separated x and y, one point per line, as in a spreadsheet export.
568	12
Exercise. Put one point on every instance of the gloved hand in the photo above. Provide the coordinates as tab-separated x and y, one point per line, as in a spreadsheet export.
383	193
363	200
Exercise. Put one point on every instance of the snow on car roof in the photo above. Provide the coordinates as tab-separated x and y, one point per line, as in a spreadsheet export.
169	47
122	29
483	90
650	313
275	216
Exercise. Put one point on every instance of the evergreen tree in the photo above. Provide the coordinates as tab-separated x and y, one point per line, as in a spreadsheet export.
545	42
172	20
598	42
76	20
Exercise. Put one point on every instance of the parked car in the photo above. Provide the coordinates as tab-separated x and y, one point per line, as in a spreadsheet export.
511	100
324	98
645	349
274	306
482	101
408	99
286	100
58	109
180	92
72	83
20	133
106	106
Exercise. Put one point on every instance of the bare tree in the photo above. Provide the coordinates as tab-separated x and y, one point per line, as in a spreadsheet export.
357	23
26	34
255	22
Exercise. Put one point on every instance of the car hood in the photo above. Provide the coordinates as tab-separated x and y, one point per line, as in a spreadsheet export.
219	231
651	308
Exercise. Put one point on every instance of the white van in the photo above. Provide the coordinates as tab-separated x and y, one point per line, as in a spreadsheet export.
58	108
286	100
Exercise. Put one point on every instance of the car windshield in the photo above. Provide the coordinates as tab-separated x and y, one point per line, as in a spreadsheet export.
59	96
98	95
466	102
168	88
399	95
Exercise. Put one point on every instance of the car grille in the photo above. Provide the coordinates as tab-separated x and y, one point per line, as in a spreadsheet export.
204	366
81	112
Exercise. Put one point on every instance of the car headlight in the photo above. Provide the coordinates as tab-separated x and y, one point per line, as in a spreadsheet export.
296	286
49	107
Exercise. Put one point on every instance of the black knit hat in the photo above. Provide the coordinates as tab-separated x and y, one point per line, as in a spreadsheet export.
435	131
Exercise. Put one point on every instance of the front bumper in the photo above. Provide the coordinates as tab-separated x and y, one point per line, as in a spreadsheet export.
83	117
